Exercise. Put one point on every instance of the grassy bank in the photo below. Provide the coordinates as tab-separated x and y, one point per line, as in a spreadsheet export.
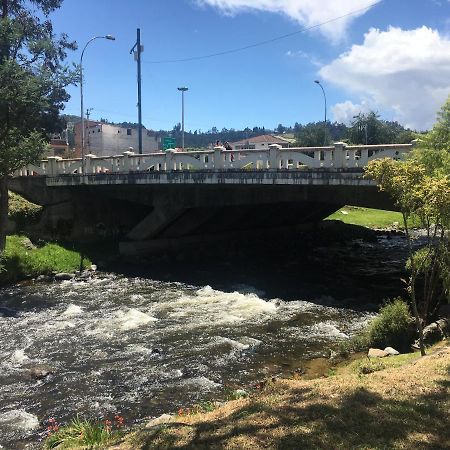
22	260
399	402
367	217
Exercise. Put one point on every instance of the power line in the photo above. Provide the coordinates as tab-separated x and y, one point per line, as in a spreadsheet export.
261	43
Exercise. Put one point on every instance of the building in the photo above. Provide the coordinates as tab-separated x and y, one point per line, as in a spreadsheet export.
259	142
104	139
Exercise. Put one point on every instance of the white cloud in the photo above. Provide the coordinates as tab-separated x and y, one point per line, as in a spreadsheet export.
305	12
406	71
304	55
346	111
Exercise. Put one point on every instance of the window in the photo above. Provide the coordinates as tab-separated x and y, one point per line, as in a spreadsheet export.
128	131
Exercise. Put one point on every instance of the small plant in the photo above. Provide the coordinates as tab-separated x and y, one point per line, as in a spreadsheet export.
235	394
394	326
332	371
357	343
81	433
370	366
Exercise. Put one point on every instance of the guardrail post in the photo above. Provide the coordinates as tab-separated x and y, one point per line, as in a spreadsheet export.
273	155
88	165
53	168
126	160
339	154
218	159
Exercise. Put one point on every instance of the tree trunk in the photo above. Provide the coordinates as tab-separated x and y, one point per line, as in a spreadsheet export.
4	205
412	286
4	9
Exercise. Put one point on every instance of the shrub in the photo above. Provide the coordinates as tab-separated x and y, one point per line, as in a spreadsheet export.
83	434
21	211
394	327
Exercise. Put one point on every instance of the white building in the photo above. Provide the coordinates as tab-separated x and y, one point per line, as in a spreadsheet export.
104	139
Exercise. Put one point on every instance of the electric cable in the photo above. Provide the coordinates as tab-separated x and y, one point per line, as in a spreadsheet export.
261	43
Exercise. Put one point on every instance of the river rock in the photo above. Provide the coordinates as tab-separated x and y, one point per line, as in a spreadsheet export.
63	276
93	268
28	244
43	278
435	332
377	353
162	419
444	325
85	275
391	351
40	372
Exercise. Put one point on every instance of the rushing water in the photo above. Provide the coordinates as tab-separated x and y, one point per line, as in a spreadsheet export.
139	347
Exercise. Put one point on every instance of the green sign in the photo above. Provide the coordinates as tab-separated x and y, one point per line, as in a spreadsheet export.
169	142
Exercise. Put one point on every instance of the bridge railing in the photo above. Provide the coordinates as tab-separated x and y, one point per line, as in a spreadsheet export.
275	157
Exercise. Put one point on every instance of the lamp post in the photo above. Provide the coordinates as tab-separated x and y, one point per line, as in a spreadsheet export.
325	99
111	38
183	89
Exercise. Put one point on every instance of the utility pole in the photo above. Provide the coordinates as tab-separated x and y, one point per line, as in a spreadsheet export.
137	56
88	113
182	89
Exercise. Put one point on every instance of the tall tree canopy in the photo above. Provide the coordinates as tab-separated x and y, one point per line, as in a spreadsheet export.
420	187
33	79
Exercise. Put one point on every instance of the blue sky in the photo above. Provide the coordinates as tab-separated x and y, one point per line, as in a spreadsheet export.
393	57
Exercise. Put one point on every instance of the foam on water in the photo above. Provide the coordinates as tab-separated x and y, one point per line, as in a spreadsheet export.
133	318
72	311
18	420
326	329
210	307
18	357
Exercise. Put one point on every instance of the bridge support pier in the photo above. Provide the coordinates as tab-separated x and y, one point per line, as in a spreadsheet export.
159	219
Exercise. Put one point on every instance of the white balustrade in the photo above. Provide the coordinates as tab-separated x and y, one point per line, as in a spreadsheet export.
275	157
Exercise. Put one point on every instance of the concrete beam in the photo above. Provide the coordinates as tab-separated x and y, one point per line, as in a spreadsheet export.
159	219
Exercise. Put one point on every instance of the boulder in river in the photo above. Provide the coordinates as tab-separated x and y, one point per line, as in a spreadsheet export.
377	353
40	372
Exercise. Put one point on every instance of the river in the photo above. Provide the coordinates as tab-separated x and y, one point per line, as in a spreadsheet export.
138	347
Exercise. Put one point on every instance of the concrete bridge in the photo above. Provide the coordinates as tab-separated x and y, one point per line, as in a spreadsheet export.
164	200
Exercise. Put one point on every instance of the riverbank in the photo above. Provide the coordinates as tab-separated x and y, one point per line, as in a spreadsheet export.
403	403
23	260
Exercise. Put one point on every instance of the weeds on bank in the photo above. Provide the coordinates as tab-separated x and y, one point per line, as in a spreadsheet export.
82	433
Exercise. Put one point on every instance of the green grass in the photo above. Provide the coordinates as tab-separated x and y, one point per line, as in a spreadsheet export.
19	262
81	434
367	217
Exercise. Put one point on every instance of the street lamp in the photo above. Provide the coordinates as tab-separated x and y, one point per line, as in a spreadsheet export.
325	99
110	38
183	89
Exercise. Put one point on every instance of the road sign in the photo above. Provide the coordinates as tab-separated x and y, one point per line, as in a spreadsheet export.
169	142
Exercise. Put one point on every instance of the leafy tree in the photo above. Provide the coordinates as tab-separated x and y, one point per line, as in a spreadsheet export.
420	187
32	87
314	134
439	137
369	129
